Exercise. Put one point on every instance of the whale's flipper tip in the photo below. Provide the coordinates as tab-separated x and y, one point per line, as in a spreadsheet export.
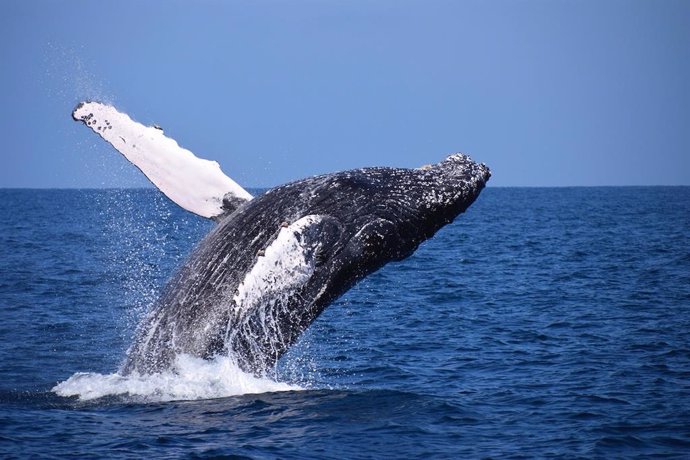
197	185
75	117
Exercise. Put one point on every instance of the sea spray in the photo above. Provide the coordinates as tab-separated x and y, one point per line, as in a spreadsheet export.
189	378
144	238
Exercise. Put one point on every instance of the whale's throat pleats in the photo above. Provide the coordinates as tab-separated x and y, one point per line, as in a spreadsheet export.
197	185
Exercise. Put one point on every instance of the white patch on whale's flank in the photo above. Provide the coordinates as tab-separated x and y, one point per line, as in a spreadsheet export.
285	267
276	278
195	184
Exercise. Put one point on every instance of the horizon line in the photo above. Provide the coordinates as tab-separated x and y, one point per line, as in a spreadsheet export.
153	187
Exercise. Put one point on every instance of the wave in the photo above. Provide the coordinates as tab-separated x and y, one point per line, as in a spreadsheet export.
189	378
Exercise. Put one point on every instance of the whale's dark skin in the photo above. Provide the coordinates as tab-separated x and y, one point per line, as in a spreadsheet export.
365	218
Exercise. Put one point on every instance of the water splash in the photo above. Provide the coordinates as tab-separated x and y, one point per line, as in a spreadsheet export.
69	77
189	378
142	245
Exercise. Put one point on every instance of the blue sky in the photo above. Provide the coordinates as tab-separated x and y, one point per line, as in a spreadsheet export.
547	93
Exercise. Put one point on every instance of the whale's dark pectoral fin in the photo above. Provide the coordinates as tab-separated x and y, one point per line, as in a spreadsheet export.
283	268
279	277
197	185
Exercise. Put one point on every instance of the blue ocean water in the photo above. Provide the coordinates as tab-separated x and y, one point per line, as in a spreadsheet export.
551	323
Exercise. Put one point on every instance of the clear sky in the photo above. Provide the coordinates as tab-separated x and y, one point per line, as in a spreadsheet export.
547	93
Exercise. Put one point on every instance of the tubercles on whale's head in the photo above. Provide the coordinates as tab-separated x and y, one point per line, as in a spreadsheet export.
459	170
450	186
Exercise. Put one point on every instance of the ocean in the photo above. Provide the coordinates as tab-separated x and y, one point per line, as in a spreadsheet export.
542	323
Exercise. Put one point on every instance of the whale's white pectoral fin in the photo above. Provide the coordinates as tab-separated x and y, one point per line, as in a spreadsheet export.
197	185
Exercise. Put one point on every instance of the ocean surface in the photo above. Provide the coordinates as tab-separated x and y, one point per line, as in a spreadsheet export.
542	323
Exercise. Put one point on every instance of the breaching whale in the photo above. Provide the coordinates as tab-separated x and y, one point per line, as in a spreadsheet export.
273	263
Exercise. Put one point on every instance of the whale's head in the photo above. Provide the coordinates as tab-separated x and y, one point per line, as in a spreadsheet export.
403	207
377	215
442	191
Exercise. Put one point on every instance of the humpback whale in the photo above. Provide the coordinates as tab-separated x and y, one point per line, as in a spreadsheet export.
274	262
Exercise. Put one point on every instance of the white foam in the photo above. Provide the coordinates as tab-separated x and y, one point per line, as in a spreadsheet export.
190	378
195	184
